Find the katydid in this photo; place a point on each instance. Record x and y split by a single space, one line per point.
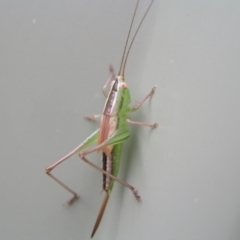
113 131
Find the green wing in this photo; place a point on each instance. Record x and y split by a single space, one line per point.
119 136
90 140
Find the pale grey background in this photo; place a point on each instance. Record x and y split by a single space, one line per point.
54 60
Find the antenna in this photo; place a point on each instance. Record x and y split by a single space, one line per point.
129 31
145 14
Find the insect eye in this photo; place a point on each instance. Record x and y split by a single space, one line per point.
124 85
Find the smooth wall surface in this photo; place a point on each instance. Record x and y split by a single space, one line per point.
54 61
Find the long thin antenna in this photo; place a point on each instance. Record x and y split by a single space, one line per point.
123 56
135 36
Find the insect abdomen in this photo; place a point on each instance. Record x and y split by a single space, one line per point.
107 164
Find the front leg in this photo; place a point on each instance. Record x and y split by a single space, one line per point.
110 78
141 103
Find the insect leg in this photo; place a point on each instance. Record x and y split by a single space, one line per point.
93 117
51 167
75 196
155 125
110 78
88 142
133 189
140 104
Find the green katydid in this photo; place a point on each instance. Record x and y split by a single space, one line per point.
113 131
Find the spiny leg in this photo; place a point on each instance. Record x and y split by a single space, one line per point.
155 125
75 196
92 139
134 190
110 78
93 117
140 104
48 172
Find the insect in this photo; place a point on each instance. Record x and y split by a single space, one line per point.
113 131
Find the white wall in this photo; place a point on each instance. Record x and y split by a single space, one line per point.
54 60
